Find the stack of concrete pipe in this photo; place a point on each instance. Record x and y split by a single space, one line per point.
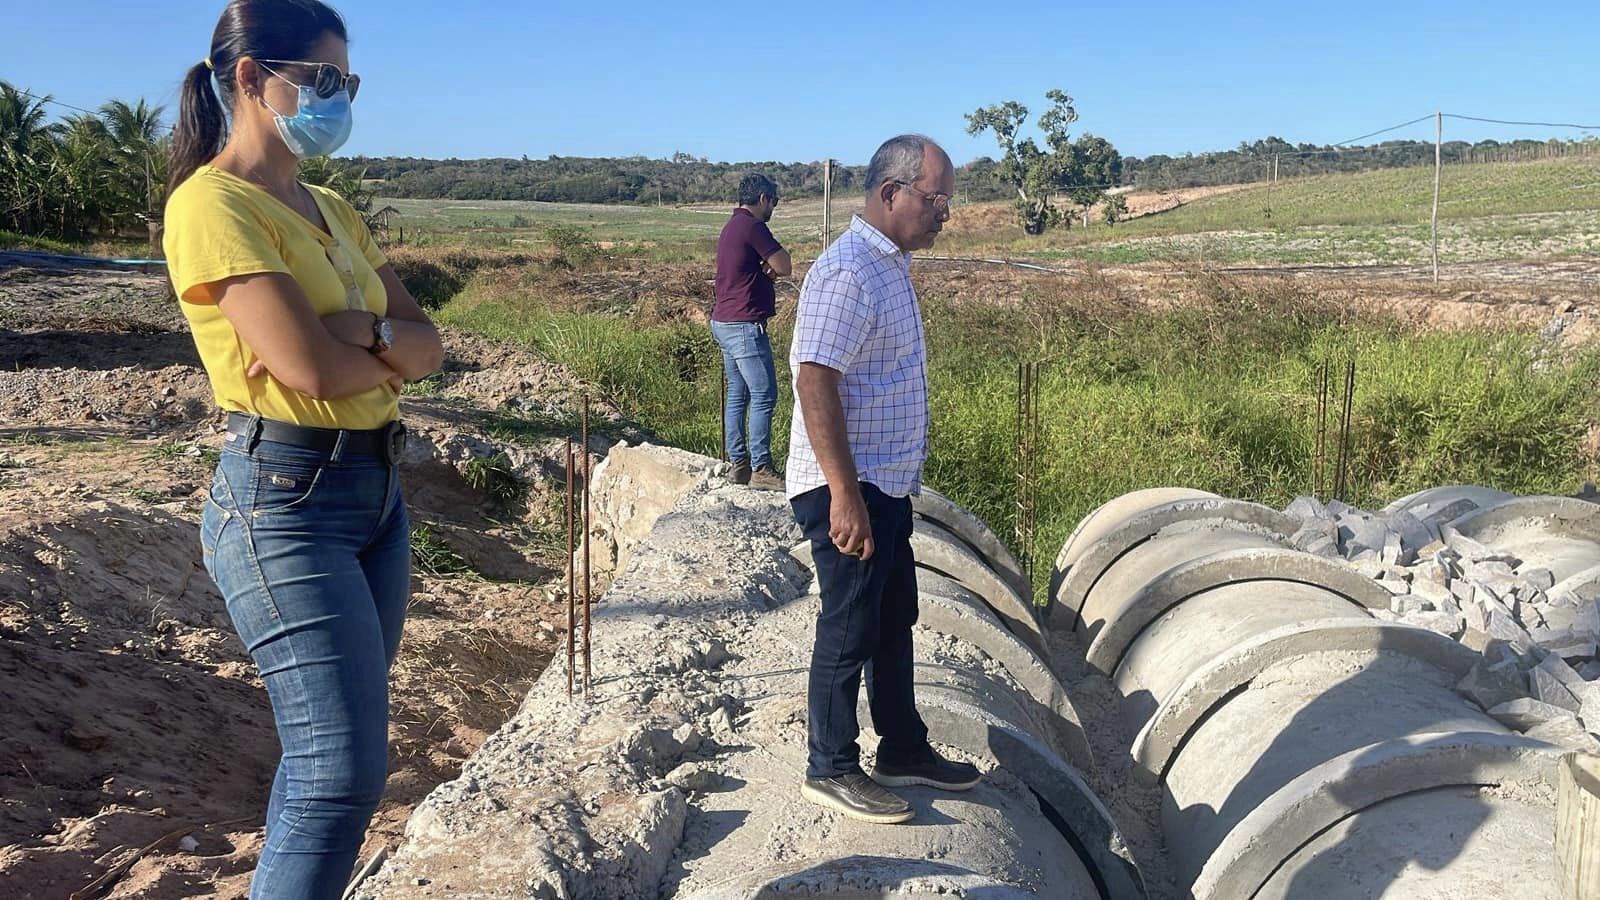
1306 746
974 592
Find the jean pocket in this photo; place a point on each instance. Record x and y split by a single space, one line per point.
283 486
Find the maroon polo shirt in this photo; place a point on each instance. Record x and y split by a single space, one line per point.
744 293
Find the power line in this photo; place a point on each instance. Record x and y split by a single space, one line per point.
1385 130
54 101
1535 124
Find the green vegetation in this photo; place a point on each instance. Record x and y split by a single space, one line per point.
1217 395
496 478
434 557
1079 170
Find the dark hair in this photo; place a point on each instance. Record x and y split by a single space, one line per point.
754 186
265 29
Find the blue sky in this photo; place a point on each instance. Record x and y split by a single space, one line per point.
797 81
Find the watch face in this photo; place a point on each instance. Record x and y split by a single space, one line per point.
385 331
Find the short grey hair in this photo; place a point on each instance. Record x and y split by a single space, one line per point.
899 159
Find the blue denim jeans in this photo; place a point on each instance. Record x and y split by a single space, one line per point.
752 390
868 608
312 552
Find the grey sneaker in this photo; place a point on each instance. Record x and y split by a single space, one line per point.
856 796
932 770
740 473
766 478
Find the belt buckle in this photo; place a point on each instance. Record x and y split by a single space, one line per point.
394 442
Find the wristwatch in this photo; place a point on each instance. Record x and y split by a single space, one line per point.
382 335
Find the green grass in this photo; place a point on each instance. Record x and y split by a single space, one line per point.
435 557
1218 398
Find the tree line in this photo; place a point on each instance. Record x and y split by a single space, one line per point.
101 173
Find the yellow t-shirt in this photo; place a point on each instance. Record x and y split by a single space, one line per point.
220 226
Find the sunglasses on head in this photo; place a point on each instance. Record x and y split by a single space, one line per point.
329 80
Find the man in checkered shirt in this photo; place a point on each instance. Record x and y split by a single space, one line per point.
856 450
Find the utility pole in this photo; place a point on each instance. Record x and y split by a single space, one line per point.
827 202
1438 157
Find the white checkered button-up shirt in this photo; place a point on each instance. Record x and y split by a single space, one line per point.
859 316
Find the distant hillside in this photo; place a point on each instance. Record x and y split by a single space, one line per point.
1390 197
688 179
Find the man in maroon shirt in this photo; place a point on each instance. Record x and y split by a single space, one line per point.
748 259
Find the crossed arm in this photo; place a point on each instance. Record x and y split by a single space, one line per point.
326 358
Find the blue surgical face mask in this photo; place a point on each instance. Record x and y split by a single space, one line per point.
319 126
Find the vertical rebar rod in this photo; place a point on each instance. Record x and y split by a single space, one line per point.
572 586
1320 451
1342 474
588 470
722 416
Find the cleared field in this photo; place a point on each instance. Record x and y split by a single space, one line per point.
1528 210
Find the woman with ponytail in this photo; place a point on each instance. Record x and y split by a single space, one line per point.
308 338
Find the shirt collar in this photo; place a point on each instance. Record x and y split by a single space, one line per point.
876 239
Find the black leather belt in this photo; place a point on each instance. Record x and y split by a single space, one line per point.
246 431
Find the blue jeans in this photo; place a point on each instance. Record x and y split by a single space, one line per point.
868 608
312 552
752 389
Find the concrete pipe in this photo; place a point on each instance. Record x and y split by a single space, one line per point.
1109 516
948 608
1293 717
1309 830
941 510
1438 505
1209 682
1272 573
942 553
1561 534
872 877
955 720
1195 514
1148 561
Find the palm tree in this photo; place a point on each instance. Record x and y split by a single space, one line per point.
138 156
26 141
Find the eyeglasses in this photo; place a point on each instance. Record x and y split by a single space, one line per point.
330 79
940 202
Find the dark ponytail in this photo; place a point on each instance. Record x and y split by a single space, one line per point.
261 29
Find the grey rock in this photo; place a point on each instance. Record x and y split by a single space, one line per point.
1540 578
1567 732
1590 670
1451 626
1490 687
1547 688
1526 713
1308 508
1554 665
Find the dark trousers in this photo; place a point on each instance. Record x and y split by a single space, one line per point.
868 609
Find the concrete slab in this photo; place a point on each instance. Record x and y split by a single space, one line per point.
1294 716
1262 566
1211 684
936 507
1221 513
1307 806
